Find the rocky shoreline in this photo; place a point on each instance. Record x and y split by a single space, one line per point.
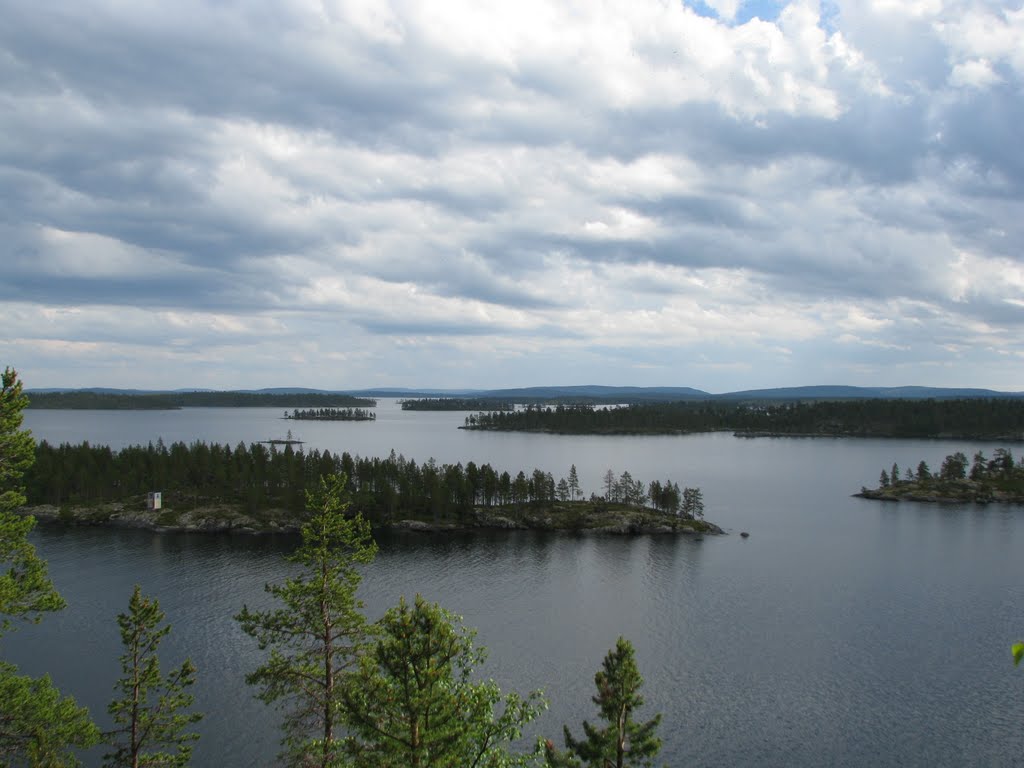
579 517
965 495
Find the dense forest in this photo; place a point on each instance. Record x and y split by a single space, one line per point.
996 418
980 479
457 404
260 476
332 414
117 401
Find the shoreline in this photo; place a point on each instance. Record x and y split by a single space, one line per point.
563 517
966 494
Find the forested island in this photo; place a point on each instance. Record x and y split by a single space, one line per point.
457 404
981 480
979 418
166 401
331 414
261 488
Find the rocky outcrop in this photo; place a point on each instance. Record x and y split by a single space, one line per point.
578 517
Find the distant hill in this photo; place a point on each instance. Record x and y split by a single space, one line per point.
597 392
842 392
586 393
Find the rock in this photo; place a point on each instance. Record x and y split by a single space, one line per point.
744 534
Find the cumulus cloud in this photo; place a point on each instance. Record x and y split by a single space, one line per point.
719 194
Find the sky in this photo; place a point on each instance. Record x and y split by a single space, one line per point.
342 194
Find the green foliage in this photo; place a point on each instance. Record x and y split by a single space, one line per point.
316 635
622 742
415 703
39 727
151 709
26 591
1018 652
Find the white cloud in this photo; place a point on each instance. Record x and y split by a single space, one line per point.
512 189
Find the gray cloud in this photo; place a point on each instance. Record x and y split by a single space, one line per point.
617 180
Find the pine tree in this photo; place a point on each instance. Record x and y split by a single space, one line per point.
574 482
317 634
622 742
693 503
37 725
26 591
416 702
151 712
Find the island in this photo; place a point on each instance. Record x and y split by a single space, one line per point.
980 481
331 414
970 418
261 489
457 404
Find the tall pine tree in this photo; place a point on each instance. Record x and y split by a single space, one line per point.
316 635
151 713
621 742
37 725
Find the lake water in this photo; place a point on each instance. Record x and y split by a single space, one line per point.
842 632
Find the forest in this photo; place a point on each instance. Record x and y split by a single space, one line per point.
990 419
163 401
331 414
260 476
457 404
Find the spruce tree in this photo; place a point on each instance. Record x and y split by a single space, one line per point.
621 742
318 632
151 714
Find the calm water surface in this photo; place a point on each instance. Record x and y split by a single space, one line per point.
842 632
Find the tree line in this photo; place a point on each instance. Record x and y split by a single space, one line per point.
331 414
402 691
974 418
258 477
980 475
85 400
457 404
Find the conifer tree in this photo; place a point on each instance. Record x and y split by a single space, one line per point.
574 482
416 702
151 713
316 635
622 742
37 725
26 591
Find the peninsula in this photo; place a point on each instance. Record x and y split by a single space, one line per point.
262 488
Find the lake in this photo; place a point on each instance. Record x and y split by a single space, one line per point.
842 632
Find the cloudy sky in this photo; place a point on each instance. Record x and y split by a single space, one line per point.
724 194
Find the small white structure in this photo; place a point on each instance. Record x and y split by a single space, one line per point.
153 500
